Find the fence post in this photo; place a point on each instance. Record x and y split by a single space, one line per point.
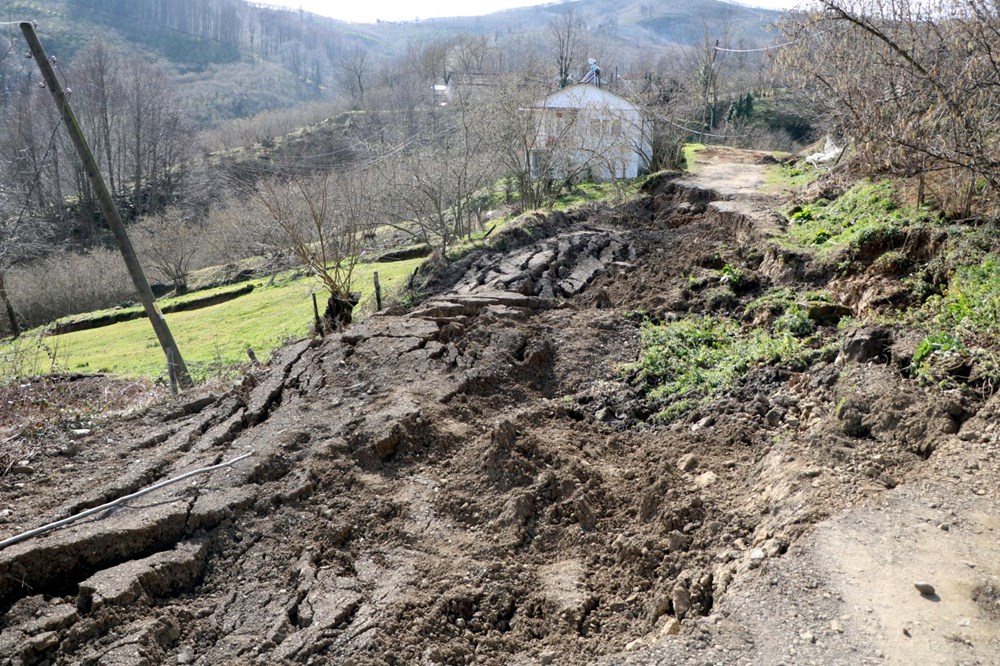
319 324
378 294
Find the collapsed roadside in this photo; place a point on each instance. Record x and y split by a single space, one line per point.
493 475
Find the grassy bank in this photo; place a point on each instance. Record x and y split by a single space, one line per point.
212 339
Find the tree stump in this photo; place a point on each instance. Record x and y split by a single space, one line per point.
339 310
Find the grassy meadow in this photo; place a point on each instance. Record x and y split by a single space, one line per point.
212 340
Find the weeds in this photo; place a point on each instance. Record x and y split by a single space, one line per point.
866 219
790 310
591 192
795 321
774 301
798 174
971 302
687 361
960 349
29 356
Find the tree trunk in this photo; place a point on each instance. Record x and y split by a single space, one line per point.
15 330
339 310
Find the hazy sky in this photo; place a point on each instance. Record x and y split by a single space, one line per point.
407 10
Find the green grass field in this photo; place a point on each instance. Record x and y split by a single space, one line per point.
212 340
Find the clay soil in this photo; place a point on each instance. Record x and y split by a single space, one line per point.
473 480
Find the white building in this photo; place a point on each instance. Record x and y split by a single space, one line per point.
583 131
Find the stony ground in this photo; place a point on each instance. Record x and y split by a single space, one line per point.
473 482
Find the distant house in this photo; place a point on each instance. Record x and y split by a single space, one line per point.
587 132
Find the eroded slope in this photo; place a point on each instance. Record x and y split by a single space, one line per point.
473 481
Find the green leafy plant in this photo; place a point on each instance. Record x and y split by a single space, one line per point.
934 343
804 214
732 275
795 321
686 361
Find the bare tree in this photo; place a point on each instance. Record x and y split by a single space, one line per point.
706 80
432 179
913 84
170 245
432 60
321 219
138 128
8 242
565 31
470 53
97 72
155 135
27 152
355 68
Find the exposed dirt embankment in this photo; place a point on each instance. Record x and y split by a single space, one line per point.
473 482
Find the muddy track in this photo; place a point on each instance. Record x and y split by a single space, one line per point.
463 483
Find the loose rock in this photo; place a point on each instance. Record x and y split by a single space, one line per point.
687 462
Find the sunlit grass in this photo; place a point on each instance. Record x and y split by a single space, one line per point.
214 339
689 156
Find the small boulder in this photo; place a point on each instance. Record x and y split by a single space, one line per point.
824 312
867 344
22 468
671 627
705 479
682 600
687 462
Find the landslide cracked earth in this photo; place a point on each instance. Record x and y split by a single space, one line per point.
473 481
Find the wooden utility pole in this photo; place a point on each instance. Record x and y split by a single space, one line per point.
174 360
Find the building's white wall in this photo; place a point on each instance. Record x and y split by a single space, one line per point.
584 125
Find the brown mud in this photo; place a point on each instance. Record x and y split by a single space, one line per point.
473 482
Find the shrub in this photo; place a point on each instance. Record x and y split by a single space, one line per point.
68 283
795 321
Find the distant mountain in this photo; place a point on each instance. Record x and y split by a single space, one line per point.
639 23
234 58
231 58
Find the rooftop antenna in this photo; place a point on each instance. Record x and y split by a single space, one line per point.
594 74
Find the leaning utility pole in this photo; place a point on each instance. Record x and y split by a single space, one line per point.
175 363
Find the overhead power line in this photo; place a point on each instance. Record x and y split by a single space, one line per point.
694 131
774 46
765 48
